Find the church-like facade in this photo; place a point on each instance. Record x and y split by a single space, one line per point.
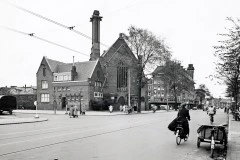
108 78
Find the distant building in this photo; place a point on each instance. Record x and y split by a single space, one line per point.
158 91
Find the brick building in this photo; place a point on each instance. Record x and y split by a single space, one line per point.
60 84
158 92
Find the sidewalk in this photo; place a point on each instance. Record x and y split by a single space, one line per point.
233 151
14 120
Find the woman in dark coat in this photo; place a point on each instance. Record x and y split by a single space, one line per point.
183 115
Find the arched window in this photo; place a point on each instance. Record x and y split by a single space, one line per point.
122 76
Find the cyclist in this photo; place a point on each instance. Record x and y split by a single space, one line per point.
183 115
211 112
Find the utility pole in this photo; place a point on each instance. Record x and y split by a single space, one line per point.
54 100
129 87
80 99
167 98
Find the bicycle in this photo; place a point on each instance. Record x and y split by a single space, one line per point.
179 132
211 118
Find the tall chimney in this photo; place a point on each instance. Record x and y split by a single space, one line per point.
95 50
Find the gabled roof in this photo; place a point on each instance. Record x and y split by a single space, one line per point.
53 64
158 70
116 47
84 69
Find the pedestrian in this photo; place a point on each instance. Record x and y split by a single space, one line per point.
83 108
124 108
71 114
121 108
110 108
75 111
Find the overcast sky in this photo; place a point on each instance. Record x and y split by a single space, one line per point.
190 28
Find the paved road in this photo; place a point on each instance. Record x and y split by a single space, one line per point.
139 136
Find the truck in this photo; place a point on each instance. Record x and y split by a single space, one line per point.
7 103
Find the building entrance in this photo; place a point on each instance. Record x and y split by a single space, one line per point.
121 100
63 102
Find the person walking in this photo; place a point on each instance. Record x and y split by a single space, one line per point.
110 108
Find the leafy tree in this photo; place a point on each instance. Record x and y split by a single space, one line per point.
228 53
148 49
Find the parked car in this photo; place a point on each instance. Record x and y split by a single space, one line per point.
194 108
164 107
7 103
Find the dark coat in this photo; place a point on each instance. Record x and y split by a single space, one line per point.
183 114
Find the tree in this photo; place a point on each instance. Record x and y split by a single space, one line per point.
228 54
204 87
176 79
148 49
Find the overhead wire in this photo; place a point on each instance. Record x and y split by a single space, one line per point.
71 28
42 39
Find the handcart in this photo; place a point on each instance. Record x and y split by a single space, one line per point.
213 134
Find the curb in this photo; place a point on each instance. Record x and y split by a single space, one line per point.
21 120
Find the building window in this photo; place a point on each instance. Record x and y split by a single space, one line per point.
45 97
149 93
149 87
44 71
98 84
98 94
122 75
44 84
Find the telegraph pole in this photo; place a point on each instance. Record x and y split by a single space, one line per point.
129 87
80 105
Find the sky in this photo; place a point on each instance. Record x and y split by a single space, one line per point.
189 27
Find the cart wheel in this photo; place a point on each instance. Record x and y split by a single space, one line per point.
198 142
212 151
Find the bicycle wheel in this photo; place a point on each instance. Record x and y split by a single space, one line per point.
178 138
212 152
